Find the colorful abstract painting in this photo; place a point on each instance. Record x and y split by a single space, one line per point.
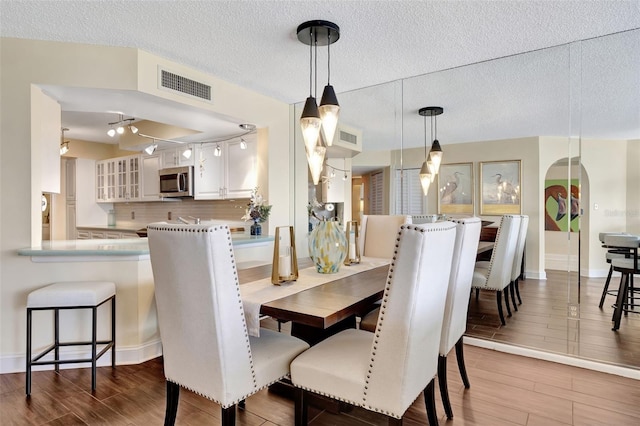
562 208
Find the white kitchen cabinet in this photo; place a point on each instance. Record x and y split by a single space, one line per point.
231 175
118 179
70 179
208 173
173 157
101 181
150 179
241 167
71 220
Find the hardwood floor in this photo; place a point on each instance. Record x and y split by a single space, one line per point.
505 390
542 321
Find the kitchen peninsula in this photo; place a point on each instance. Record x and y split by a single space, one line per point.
126 263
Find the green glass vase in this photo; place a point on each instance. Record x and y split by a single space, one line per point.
327 247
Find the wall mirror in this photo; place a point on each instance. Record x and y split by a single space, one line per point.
572 111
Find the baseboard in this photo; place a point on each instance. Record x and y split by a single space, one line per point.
535 275
124 356
555 357
559 262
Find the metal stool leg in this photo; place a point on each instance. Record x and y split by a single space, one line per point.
94 339
113 332
56 334
28 370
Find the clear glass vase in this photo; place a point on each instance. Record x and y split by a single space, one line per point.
327 247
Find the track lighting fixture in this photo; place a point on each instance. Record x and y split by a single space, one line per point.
64 145
243 144
119 126
151 148
218 151
187 153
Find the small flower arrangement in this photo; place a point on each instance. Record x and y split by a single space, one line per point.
257 210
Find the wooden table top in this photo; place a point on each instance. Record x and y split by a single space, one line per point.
329 303
326 304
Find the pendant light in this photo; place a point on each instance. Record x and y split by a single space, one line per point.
314 33
429 166
329 107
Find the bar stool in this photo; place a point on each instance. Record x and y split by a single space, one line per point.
71 295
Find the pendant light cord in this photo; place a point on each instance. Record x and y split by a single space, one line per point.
328 58
425 137
310 64
315 43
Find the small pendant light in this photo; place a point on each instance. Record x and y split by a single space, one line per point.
431 163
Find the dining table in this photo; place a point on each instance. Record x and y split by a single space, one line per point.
319 311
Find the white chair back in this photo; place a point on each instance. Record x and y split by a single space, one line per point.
424 218
202 325
378 234
504 250
522 237
462 266
405 349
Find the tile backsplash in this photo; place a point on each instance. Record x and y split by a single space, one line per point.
141 214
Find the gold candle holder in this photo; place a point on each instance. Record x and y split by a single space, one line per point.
353 251
285 261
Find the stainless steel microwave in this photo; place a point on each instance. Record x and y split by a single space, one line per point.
176 182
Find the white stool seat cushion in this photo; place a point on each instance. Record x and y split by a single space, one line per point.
272 353
336 367
71 293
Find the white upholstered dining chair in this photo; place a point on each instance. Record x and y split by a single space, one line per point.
205 344
386 371
495 275
516 271
378 234
457 303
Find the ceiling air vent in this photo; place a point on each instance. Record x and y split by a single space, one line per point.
178 83
348 137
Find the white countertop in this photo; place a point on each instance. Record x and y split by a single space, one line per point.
129 248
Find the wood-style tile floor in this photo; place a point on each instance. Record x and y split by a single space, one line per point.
541 321
505 390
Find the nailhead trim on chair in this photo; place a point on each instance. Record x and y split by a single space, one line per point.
216 228
492 259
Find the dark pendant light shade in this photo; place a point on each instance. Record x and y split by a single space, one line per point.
329 113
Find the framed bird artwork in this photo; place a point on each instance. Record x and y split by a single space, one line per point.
455 189
500 187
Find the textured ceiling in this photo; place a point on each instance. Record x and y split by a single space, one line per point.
253 44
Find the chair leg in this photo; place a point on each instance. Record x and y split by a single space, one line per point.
477 293
506 300
430 402
606 287
622 294
173 396
499 297
517 285
442 382
228 416
301 407
512 290
242 404
461 366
